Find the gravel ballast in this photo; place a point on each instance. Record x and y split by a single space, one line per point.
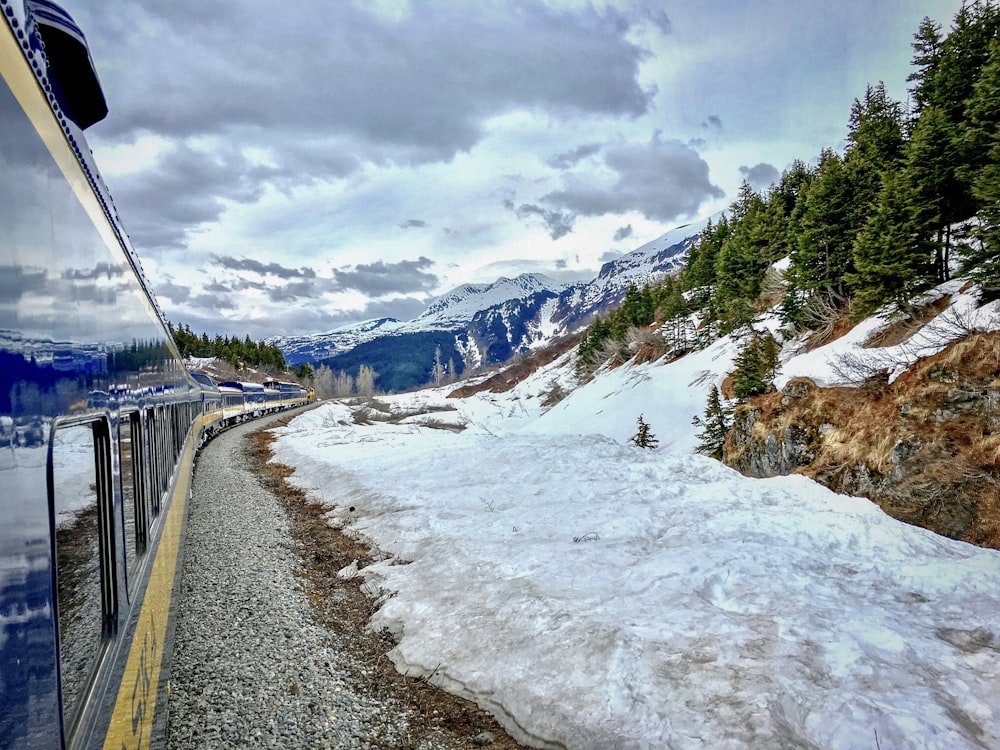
253 663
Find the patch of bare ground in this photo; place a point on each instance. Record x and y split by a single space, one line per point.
902 330
434 716
520 369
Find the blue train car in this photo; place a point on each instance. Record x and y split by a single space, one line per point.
98 419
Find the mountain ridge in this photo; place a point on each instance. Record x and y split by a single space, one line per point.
492 322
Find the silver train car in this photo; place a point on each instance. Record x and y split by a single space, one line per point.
99 421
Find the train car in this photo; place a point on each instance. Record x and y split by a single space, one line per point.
99 422
254 401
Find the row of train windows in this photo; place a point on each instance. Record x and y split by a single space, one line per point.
108 486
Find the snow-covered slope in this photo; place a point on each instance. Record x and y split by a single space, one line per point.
594 594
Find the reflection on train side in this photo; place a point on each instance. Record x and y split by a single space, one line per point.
77 509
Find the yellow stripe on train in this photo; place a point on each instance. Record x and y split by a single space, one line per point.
132 719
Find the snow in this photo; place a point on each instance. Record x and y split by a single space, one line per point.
593 594
841 361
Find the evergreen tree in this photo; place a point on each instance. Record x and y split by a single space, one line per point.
822 256
643 437
926 58
874 146
715 425
755 367
892 265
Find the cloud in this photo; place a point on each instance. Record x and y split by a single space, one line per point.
105 270
571 158
663 180
421 85
414 224
623 233
16 281
558 223
400 308
380 278
659 19
296 290
712 122
760 176
264 269
610 255
176 293
187 187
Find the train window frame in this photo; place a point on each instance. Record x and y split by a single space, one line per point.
72 706
130 494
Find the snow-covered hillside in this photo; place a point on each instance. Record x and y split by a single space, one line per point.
594 594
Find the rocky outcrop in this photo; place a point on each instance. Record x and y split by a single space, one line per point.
926 447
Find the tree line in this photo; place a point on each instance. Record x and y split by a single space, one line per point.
914 193
882 221
237 352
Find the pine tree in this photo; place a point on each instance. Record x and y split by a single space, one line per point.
715 425
643 437
755 367
823 253
891 262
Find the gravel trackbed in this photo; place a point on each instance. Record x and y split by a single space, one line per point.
253 663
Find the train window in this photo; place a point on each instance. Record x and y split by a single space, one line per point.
81 504
129 494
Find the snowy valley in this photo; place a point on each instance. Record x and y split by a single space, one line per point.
594 594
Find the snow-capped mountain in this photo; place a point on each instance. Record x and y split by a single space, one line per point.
481 324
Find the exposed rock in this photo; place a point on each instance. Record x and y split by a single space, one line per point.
904 450
798 387
924 447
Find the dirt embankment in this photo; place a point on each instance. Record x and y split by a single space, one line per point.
926 447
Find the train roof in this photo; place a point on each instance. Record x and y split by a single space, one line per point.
204 381
245 387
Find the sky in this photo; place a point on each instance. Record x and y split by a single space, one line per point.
286 169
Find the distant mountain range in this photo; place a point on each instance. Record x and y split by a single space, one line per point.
485 324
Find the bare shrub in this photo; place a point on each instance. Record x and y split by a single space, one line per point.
772 288
827 315
553 394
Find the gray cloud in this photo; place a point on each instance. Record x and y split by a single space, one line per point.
663 180
760 176
382 278
324 98
558 223
401 308
623 233
176 293
571 158
212 302
712 122
264 269
16 281
187 187
610 255
413 224
296 290
426 82
105 270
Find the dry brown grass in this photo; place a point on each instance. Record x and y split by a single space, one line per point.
435 718
951 483
902 330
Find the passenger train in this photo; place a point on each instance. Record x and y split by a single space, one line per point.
99 421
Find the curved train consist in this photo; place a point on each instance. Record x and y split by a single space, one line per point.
99 421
